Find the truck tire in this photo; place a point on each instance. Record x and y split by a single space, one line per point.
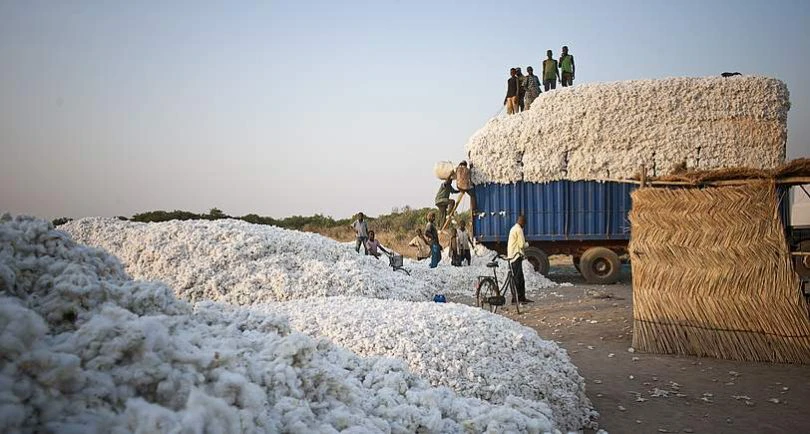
538 259
801 264
600 265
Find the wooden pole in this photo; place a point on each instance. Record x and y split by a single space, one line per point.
449 215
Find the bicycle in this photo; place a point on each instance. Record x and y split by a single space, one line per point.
395 261
487 291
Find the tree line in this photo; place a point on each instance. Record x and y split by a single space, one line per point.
400 219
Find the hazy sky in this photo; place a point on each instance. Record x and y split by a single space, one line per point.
281 107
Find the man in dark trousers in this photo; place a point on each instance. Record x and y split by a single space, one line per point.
567 66
515 253
550 72
521 88
511 100
432 238
361 230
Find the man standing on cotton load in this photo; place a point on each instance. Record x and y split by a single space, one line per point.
514 250
511 100
361 230
567 67
532 85
550 72
521 89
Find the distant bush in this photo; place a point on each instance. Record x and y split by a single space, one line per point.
402 223
61 220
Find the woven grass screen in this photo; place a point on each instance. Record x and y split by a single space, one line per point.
712 275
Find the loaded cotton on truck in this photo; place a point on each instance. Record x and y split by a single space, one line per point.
559 163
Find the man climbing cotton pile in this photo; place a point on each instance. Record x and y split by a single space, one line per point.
464 182
443 201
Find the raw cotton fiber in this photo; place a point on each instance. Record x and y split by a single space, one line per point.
474 352
242 263
85 349
608 130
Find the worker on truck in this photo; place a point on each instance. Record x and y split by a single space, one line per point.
550 72
532 86
464 182
515 252
511 100
567 67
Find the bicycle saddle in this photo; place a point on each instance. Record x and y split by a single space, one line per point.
492 264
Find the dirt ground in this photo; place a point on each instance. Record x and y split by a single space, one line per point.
649 393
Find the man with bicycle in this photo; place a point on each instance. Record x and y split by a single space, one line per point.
515 252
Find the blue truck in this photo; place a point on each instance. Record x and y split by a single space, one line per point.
584 219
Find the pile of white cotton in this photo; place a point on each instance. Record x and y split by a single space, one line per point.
83 348
241 263
473 352
608 130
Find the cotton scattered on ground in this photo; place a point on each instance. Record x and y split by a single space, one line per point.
241 263
608 130
470 350
84 348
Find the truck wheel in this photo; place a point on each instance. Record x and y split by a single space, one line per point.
538 259
600 265
801 264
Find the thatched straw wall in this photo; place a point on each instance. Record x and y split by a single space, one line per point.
712 275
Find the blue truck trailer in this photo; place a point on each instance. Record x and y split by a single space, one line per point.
584 219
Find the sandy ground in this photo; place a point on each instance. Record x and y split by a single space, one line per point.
648 393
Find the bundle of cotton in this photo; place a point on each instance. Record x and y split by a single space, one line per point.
608 130
474 352
241 263
85 349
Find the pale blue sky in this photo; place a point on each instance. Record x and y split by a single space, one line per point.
280 108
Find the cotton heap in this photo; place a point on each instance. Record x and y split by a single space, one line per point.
609 130
475 353
241 263
85 349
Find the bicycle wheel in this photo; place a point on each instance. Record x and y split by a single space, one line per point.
510 282
486 289
402 270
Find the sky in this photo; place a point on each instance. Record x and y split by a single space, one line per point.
300 107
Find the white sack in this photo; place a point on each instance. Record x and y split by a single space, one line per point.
443 169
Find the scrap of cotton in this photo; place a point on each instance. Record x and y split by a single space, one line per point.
241 263
609 130
474 352
84 348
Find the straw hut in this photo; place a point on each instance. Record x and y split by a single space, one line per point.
713 271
